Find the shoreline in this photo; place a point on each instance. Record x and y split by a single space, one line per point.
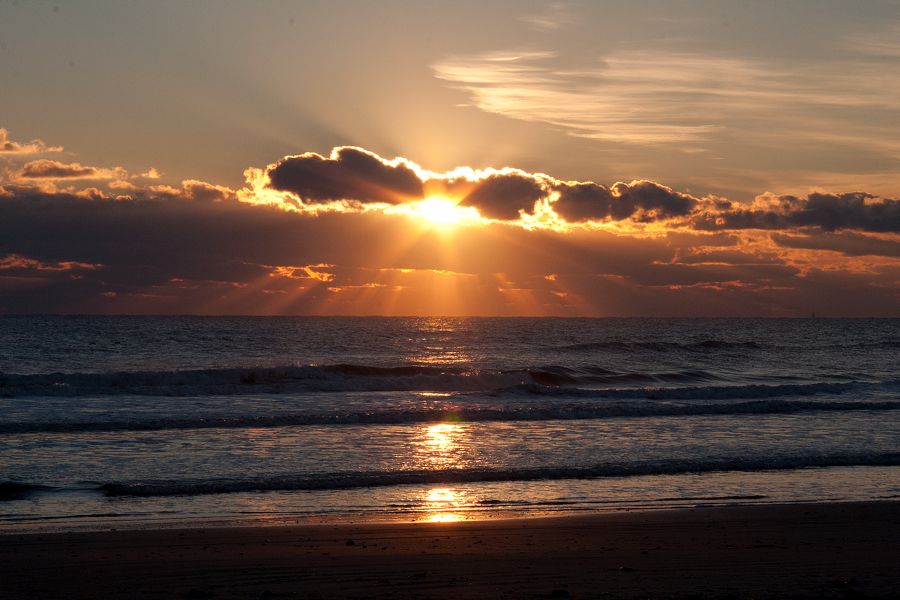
807 549
89 511
112 522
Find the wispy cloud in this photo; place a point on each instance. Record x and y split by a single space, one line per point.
555 16
660 96
883 43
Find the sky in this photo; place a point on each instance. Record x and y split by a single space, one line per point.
665 158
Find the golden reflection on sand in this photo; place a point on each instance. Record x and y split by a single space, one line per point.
444 518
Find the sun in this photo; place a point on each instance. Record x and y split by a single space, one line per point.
443 212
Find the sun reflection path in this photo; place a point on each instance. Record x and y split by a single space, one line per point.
440 342
439 445
440 437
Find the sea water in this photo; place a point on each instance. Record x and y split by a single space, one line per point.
173 421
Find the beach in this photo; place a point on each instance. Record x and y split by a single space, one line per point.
839 550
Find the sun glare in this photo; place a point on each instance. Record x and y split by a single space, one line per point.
443 212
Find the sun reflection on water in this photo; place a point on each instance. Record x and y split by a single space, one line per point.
440 437
440 504
440 495
439 446
440 342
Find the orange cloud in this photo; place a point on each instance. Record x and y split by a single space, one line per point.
19 262
121 184
304 272
195 191
52 169
8 146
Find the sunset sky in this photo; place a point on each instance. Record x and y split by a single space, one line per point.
450 158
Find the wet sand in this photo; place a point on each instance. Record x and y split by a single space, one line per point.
815 551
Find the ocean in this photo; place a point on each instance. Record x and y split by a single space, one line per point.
135 422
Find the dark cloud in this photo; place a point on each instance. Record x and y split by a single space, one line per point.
830 212
649 201
849 244
583 202
639 200
348 174
503 195
685 274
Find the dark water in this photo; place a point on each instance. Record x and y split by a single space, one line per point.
164 419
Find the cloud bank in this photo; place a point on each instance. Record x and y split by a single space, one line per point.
315 234
362 177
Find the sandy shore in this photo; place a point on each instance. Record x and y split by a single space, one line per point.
832 551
